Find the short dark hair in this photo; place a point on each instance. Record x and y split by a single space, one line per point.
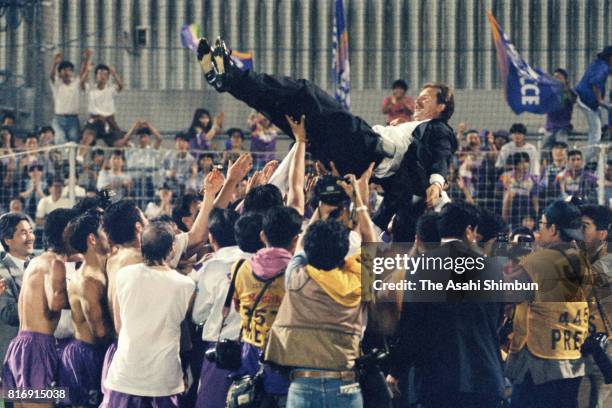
120 220
326 244
182 208
183 136
118 152
574 152
261 198
55 224
97 152
455 217
45 129
99 67
399 83
518 128
31 136
566 217
281 225
143 131
600 214
427 228
247 232
8 226
221 226
79 229
157 240
520 157
231 131
88 203
444 96
562 72
490 225
64 65
560 145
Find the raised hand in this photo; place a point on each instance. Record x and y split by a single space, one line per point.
269 169
58 58
213 182
298 128
238 170
255 180
218 120
2 286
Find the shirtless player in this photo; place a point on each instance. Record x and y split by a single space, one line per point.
81 362
31 360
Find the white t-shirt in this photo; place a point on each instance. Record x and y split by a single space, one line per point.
101 101
152 305
66 98
46 205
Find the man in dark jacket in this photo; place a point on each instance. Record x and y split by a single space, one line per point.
411 158
452 345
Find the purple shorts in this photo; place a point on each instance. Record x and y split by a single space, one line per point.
115 399
79 371
31 361
214 384
108 359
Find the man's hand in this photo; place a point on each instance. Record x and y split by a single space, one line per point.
349 186
363 182
238 170
58 58
87 54
433 193
298 128
393 383
269 169
213 182
2 286
112 70
255 180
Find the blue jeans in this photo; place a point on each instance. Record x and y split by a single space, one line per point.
594 122
66 128
324 392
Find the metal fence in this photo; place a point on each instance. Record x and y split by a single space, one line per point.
158 178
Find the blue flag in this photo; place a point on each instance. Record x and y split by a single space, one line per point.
341 78
527 88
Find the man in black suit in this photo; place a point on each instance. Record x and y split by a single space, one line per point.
452 345
411 158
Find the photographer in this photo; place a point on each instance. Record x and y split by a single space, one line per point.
452 346
317 330
545 363
596 221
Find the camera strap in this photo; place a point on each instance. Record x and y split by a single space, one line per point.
230 293
269 282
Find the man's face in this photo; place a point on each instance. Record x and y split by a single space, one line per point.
47 136
398 92
206 162
518 138
236 141
98 159
559 154
499 142
575 162
22 243
592 237
35 173
102 76
427 106
56 190
116 162
204 120
559 77
31 143
523 166
547 232
15 206
65 74
145 139
473 139
181 144
528 222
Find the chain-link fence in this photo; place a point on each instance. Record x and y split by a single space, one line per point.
516 184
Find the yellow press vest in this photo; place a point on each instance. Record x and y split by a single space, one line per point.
248 287
553 330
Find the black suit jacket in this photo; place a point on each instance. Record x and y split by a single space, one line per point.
452 346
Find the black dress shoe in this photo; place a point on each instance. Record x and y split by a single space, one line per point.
224 66
205 58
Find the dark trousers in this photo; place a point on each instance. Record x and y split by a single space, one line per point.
552 394
333 133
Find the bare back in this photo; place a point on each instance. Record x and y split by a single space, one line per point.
88 302
43 294
120 258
